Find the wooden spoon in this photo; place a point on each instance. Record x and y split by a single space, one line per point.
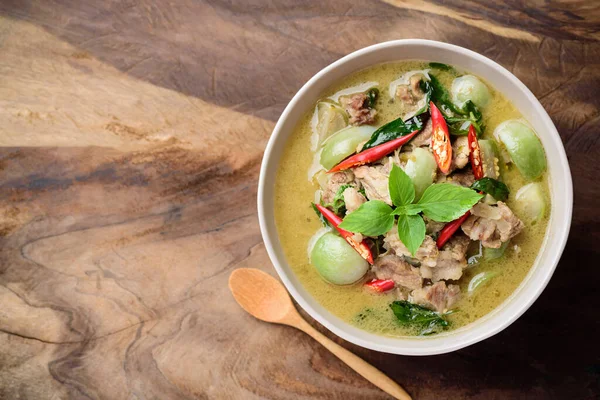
265 298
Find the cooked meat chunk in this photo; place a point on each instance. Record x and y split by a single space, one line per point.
395 268
404 93
357 109
401 293
493 225
335 181
353 199
426 254
423 138
432 227
463 178
460 153
375 182
415 84
438 296
451 261
410 96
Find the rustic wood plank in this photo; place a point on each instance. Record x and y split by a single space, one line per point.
129 152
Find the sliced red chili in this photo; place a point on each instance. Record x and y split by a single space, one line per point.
449 229
361 247
381 285
475 154
373 154
440 139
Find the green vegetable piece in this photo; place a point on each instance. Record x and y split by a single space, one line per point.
445 202
343 143
467 88
409 313
489 154
411 231
421 168
372 218
493 254
401 187
480 279
524 147
493 187
330 119
530 202
393 130
336 261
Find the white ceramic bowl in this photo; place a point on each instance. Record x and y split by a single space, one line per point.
560 188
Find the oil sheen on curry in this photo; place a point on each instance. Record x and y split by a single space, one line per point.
413 199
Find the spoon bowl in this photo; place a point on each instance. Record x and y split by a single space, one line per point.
260 295
265 298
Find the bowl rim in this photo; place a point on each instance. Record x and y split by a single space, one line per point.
403 344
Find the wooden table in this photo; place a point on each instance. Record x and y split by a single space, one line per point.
131 136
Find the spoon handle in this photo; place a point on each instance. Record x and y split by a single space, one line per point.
369 372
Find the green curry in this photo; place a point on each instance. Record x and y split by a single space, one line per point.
489 275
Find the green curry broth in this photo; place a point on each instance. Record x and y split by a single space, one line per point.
297 223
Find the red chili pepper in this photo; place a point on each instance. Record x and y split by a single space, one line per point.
449 229
373 154
440 139
361 247
475 154
381 285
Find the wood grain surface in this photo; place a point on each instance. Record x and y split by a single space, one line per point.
131 136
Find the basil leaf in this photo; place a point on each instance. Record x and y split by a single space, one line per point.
441 98
372 95
427 89
445 202
411 231
372 218
338 205
440 66
493 187
409 209
409 313
393 130
459 126
402 189
320 215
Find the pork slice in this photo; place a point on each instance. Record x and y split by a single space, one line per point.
410 96
353 199
509 225
493 225
375 182
395 268
432 227
423 138
404 94
337 180
452 259
357 109
415 85
437 297
462 178
426 254
460 153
